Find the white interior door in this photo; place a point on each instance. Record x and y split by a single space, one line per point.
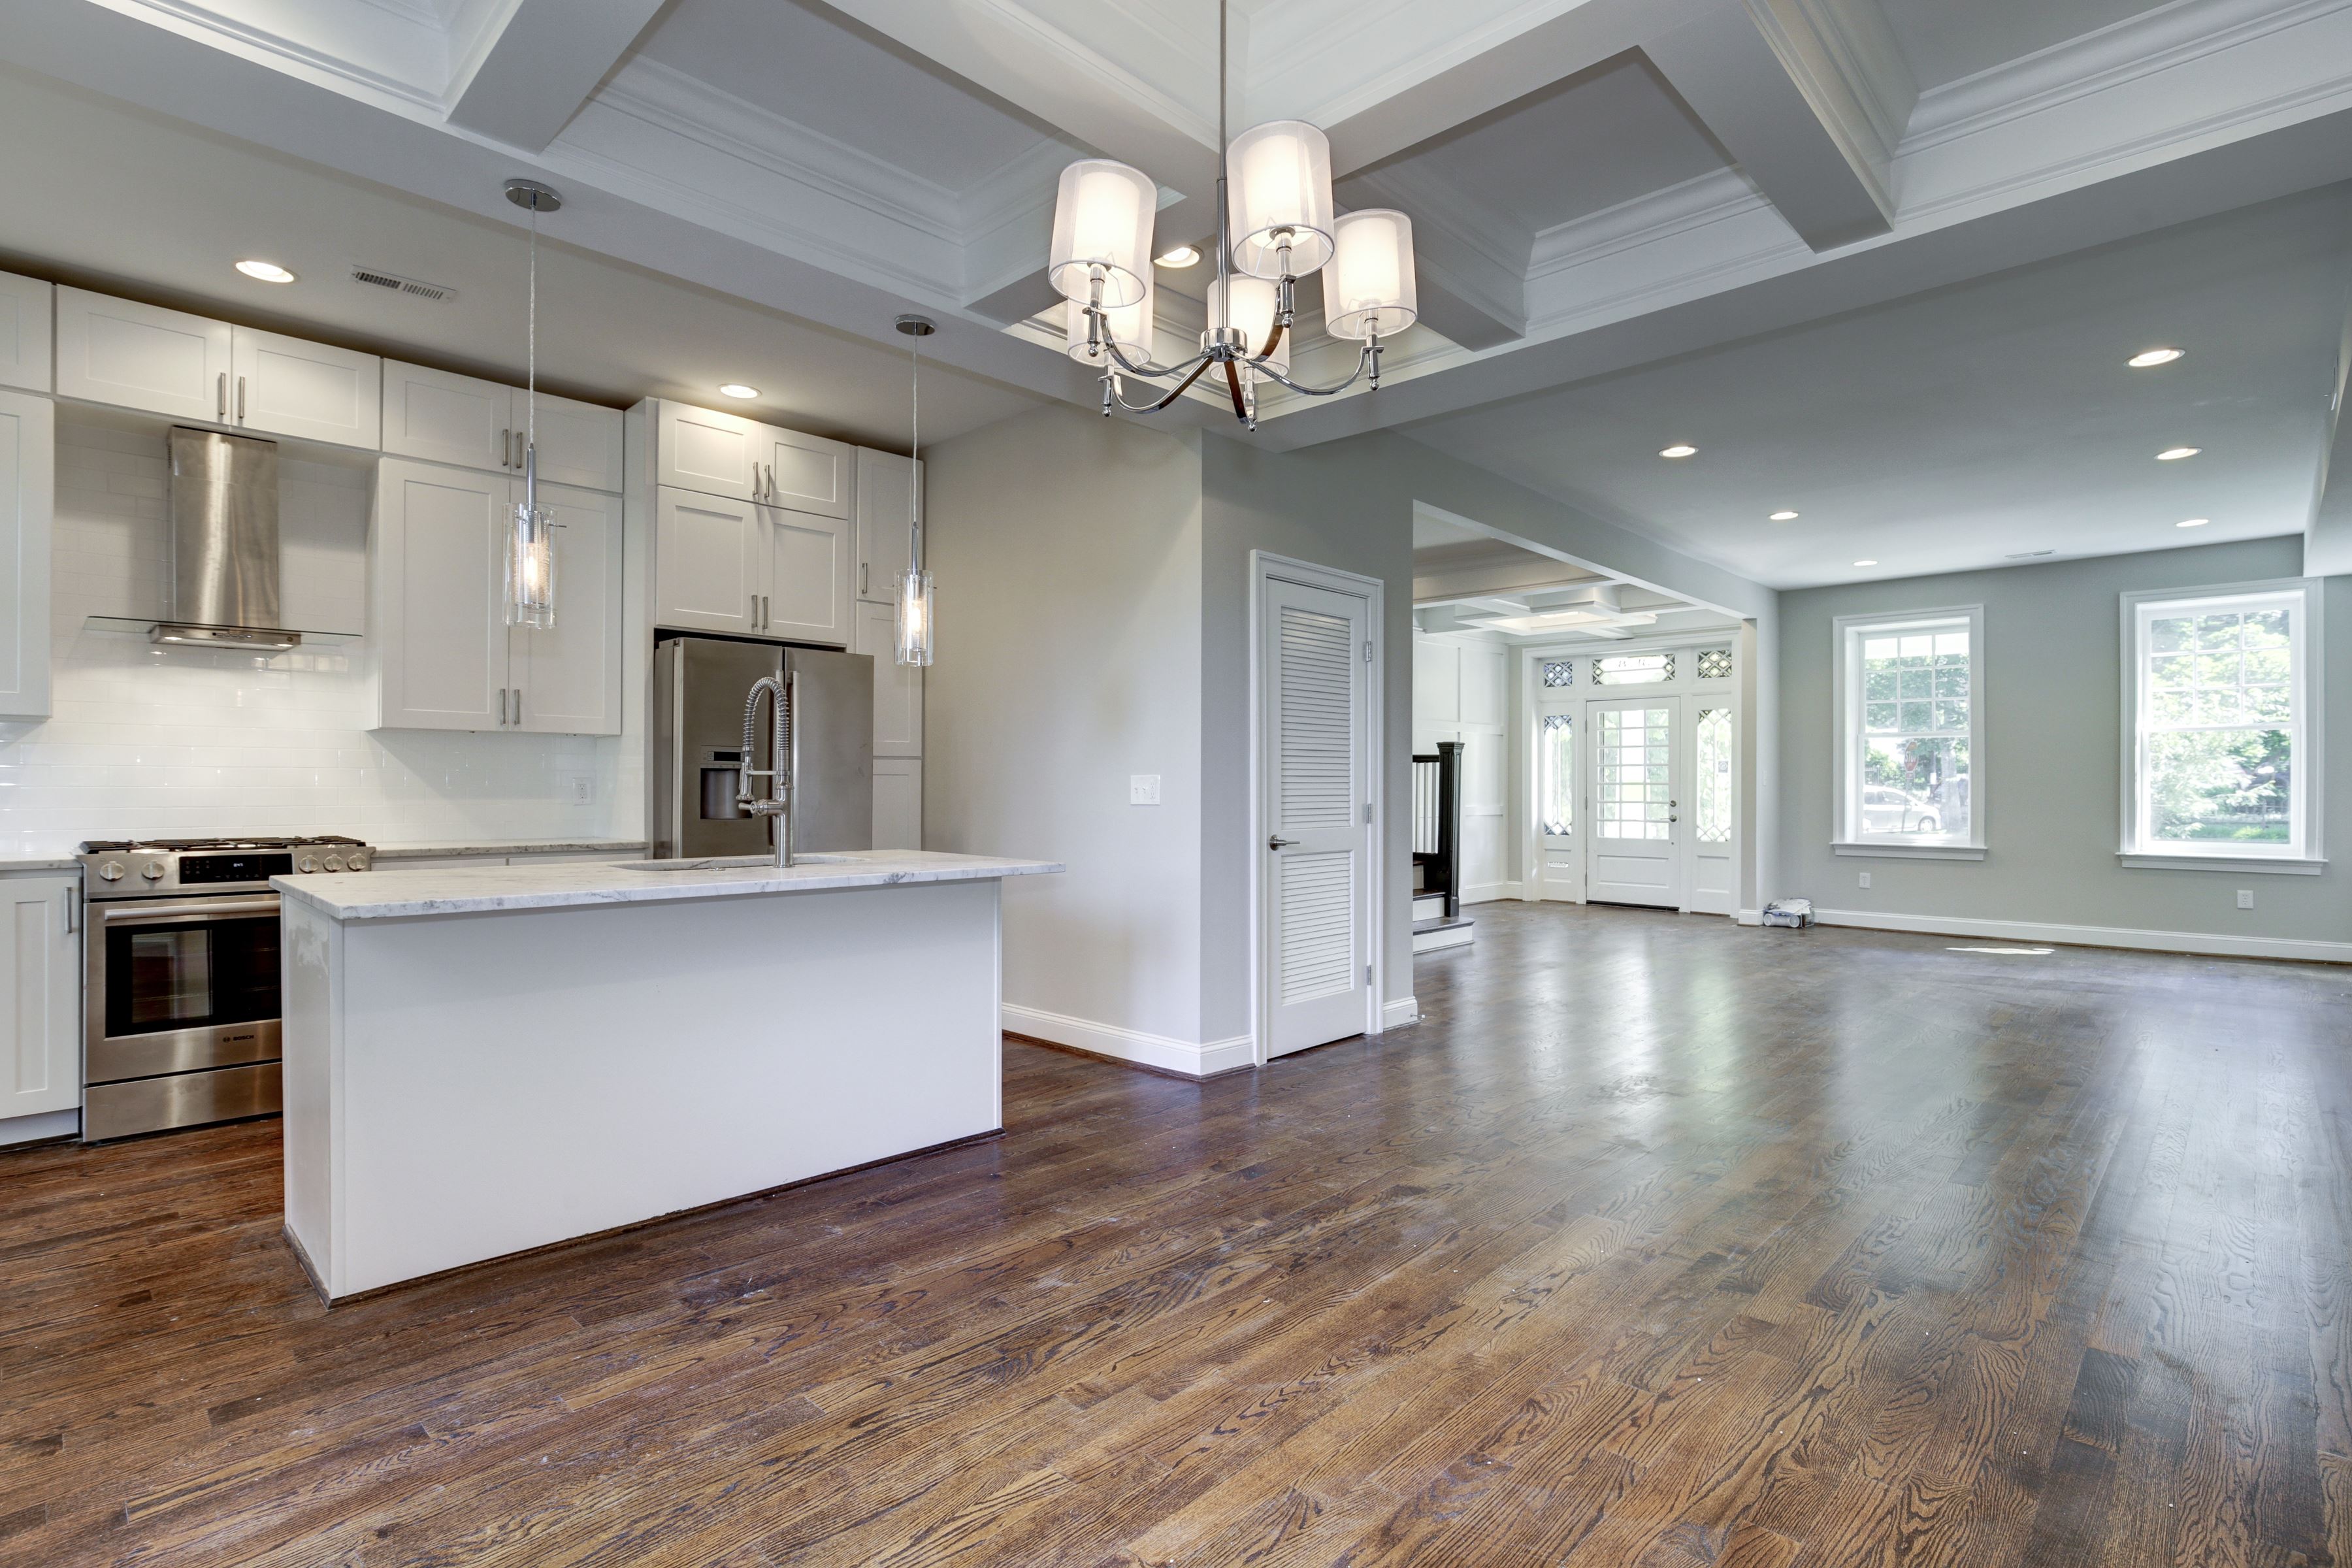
1635 805
1317 916
1559 866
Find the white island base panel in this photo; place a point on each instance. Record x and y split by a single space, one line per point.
465 1087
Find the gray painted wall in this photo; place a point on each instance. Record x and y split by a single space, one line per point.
1067 553
2053 685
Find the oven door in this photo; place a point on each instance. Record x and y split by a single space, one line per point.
176 984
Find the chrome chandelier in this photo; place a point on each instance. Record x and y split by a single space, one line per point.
1275 222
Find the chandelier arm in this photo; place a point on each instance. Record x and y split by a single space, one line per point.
1147 370
1273 336
1181 388
1233 382
1363 360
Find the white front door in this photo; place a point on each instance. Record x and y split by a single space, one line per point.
1558 785
1635 832
1317 911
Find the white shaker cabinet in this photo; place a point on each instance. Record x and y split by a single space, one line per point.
898 802
441 418
807 596
806 473
40 995
710 563
142 356
28 500
714 454
897 687
886 486
25 307
447 658
289 386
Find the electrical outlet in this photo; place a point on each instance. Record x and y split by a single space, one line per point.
1865 880
2245 898
583 789
1143 789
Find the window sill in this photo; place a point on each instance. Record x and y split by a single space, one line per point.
1913 851
2271 864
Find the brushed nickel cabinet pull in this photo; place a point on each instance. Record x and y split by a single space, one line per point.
517 692
505 448
220 399
240 400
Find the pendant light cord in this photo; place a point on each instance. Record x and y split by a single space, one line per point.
914 462
531 379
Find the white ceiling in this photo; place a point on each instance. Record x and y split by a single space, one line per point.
131 201
1944 40
1965 425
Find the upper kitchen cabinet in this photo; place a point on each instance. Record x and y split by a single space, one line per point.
27 456
886 486
142 356
727 455
808 474
749 570
24 316
182 366
807 598
460 419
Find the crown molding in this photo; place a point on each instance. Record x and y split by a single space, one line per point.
1845 62
1706 233
402 65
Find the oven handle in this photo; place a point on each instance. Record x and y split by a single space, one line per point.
260 907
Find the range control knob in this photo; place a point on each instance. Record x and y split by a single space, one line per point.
111 871
358 862
307 863
153 871
334 862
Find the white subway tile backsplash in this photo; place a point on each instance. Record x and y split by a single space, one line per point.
193 743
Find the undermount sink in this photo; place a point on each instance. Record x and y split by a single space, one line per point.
738 862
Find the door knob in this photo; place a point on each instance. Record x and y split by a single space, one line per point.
1279 843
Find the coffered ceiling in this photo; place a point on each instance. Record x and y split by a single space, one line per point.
1596 185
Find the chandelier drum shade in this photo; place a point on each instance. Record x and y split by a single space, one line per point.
1275 222
1102 233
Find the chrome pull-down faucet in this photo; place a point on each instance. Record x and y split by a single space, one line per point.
778 802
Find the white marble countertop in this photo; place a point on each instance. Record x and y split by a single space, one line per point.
39 863
395 894
457 849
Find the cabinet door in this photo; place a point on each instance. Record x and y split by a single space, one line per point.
579 442
897 687
24 316
27 456
290 386
710 563
567 679
884 487
141 356
40 995
807 599
898 802
439 618
714 453
808 473
438 418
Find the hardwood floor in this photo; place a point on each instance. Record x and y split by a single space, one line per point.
1657 1242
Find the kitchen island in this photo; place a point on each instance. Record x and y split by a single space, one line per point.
484 1060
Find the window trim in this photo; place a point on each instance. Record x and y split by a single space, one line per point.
1846 836
2305 857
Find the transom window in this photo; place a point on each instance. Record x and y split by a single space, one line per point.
1714 664
1556 775
2220 747
1560 672
1912 727
1632 669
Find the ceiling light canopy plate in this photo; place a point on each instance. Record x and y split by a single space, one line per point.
915 326
532 196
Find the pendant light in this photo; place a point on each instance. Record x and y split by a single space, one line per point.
530 540
1276 221
911 623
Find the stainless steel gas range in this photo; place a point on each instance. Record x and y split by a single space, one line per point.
180 997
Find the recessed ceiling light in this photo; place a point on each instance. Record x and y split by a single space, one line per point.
1783 517
2192 522
267 271
1865 562
737 389
2174 454
1178 256
1679 449
2154 357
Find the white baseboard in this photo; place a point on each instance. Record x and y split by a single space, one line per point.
1397 1013
2206 943
1750 917
1440 940
1488 893
1162 1051
40 1125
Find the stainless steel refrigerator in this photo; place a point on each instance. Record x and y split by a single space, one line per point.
699 684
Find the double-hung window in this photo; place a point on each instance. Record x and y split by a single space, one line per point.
1910 742
2221 727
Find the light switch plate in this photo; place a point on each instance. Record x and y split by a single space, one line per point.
1865 879
2245 898
1143 789
583 788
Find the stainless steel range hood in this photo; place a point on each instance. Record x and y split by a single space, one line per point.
224 543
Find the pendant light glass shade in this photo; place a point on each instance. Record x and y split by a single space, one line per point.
531 568
1248 304
911 617
1369 285
1130 327
1102 218
1279 179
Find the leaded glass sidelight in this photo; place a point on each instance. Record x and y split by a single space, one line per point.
1714 768
1556 775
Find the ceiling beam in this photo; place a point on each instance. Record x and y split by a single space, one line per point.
537 62
1765 77
1529 574
2327 536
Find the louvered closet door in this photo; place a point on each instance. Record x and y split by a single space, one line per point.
1318 913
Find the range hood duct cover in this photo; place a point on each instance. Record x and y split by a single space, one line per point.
225 563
